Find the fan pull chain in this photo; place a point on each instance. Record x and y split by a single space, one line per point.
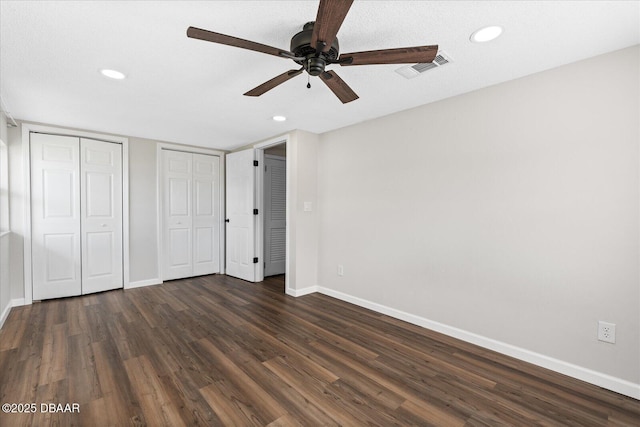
308 81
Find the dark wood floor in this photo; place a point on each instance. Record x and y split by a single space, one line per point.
219 351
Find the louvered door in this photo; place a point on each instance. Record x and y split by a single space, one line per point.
275 215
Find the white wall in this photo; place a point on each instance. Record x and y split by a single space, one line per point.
302 165
5 284
143 211
511 213
16 213
5 260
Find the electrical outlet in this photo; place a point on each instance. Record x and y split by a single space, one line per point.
340 270
607 332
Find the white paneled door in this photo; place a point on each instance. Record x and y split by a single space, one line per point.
101 208
240 215
275 215
76 212
206 214
191 216
55 213
177 236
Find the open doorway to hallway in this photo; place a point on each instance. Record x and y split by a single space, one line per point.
257 211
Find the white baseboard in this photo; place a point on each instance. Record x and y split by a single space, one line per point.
301 292
608 382
5 314
16 302
141 283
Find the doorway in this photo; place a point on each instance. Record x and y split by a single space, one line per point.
246 207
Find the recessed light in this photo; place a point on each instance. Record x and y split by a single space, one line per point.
112 74
279 118
486 34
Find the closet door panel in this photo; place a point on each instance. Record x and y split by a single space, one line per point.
179 242
55 216
101 208
191 214
177 215
206 214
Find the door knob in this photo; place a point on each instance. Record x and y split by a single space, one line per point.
226 220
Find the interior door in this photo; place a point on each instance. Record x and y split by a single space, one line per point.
275 203
55 216
240 239
206 214
177 218
101 215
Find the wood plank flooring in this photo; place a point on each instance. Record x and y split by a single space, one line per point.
213 351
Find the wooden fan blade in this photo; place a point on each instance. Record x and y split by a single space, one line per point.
331 13
210 36
268 85
338 87
403 55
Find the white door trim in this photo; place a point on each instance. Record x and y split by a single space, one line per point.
259 239
27 128
160 200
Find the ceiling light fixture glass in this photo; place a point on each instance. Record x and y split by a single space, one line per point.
279 118
486 34
112 74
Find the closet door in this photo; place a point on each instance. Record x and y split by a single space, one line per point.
55 216
178 216
101 215
206 214
191 214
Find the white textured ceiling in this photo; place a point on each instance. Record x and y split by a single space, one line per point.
190 91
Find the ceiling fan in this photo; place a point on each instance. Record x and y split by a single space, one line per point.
316 46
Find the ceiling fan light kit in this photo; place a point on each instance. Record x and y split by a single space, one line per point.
316 46
313 62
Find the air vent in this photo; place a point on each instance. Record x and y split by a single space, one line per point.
411 71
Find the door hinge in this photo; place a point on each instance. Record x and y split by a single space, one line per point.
255 211
255 260
255 163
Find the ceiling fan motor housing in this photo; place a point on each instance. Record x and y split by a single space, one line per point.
315 61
